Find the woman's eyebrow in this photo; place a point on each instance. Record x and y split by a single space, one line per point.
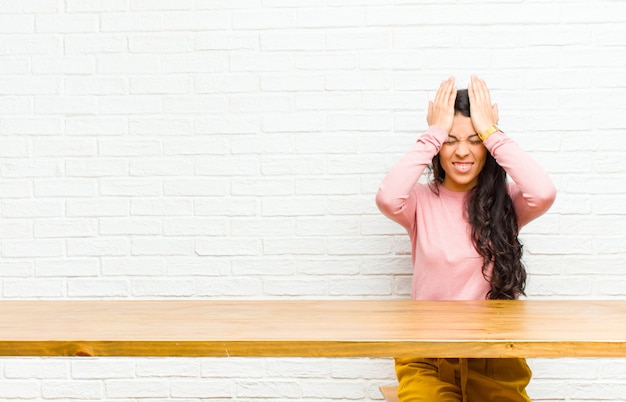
456 138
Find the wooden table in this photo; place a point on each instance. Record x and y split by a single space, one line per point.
314 328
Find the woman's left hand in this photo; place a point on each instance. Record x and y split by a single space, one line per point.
483 114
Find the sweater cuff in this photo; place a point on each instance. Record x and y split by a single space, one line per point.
438 133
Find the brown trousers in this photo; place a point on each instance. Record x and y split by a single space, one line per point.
462 380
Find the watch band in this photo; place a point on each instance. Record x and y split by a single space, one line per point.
485 134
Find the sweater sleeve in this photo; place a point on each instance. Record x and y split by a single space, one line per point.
396 197
532 191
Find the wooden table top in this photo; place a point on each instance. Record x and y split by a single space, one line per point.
529 328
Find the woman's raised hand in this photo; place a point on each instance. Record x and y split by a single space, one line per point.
441 110
484 114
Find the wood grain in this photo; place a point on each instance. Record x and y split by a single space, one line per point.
316 328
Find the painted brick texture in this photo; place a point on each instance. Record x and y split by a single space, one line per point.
232 149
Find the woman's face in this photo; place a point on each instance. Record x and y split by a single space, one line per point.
463 156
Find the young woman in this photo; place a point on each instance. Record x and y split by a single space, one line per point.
463 227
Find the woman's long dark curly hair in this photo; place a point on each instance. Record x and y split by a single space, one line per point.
494 222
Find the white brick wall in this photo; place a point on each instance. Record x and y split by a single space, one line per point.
232 149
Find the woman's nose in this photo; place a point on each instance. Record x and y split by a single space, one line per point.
462 148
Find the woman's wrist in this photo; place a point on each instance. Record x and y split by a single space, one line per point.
486 133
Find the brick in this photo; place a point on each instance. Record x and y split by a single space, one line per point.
339 186
206 63
195 146
30 6
296 288
229 288
20 389
134 104
97 207
109 226
195 187
75 389
201 389
128 147
364 81
299 246
263 62
136 388
357 246
168 368
195 226
231 206
161 246
15 189
95 167
15 229
266 19
60 228
362 41
63 65
161 206
14 148
194 104
32 208
161 167
160 85
289 165
68 268
234 367
127 64
94 43
323 265
227 83
14 105
160 5
293 41
336 389
130 187
263 266
226 125
359 122
326 61
45 85
293 206
66 105
96 247
32 288
36 369
260 103
162 287
95 86
64 147
31 45
77 6
229 166
292 122
198 266
198 20
66 23
132 22
268 389
97 288
160 43
133 266
228 246
101 369
226 40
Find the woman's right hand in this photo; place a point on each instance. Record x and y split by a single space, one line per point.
441 110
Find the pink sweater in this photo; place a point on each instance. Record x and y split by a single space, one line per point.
446 266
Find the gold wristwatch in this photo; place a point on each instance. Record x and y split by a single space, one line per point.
485 134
